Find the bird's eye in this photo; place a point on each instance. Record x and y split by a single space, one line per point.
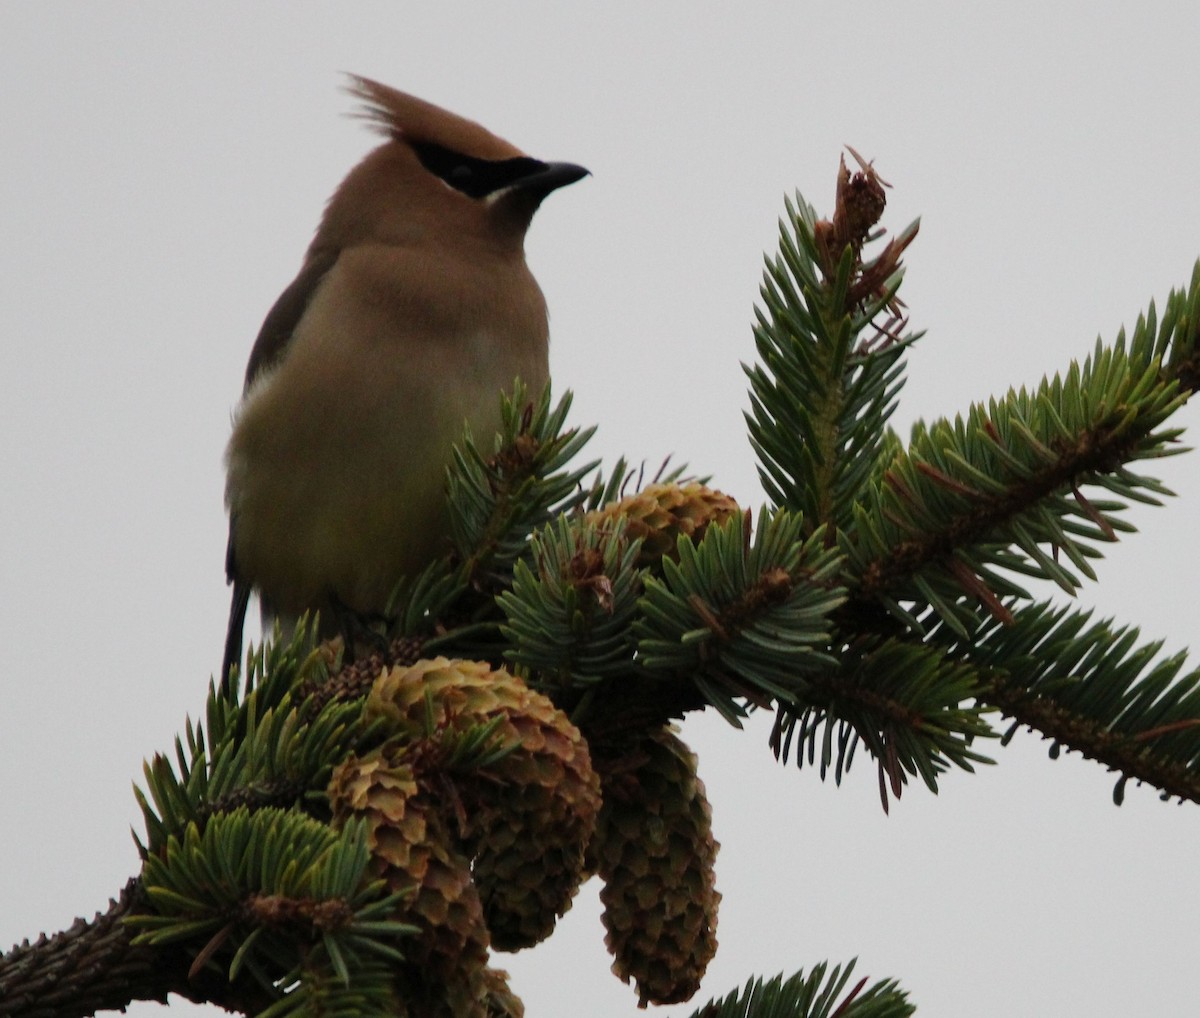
476 178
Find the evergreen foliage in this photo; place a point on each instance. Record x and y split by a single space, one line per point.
878 602
820 994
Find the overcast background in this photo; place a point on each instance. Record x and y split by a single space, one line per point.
163 167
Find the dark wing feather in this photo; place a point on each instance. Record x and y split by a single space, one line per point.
270 346
233 635
282 319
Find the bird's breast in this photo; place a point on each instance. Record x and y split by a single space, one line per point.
336 465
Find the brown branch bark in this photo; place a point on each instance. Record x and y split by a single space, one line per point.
93 965
1130 754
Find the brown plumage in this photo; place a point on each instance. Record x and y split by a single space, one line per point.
413 310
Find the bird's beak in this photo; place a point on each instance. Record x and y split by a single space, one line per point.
551 178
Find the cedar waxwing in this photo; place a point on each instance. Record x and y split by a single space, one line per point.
414 309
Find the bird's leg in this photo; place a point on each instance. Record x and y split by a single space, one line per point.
358 629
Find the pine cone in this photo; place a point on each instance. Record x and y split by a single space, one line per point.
655 851
527 817
445 969
501 1001
660 513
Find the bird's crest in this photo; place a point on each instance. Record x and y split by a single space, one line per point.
402 116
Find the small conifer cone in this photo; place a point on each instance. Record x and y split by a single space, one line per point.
501 1001
655 851
524 819
445 969
660 513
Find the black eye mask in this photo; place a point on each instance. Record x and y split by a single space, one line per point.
476 178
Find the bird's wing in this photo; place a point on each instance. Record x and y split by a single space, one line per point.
269 347
281 320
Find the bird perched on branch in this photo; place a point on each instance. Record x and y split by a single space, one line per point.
414 309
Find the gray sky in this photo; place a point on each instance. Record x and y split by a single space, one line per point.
163 168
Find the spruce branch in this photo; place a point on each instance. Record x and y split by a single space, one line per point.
277 895
261 747
877 603
1174 341
822 993
569 612
822 393
498 499
943 531
1092 688
88 967
1002 491
745 619
915 709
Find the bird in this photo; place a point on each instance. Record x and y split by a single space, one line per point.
413 310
